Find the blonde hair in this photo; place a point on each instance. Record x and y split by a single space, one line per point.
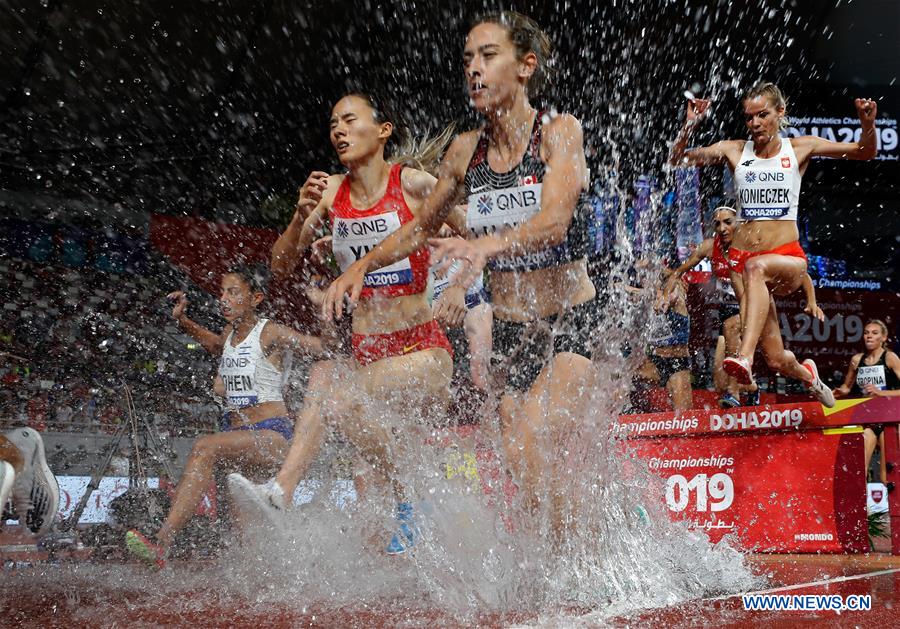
403 147
527 36
881 325
773 95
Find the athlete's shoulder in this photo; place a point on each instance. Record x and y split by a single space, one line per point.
891 357
466 141
856 360
417 182
332 185
560 121
459 154
334 182
272 332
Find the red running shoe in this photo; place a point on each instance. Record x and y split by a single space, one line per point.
739 368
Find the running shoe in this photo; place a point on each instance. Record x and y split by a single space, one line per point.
142 548
7 478
35 492
728 401
738 368
404 539
265 500
752 398
642 516
817 387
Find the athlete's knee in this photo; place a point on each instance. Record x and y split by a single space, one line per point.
754 270
204 448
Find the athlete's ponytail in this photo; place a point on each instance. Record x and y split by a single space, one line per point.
403 147
771 92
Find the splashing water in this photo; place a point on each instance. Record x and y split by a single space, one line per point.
477 553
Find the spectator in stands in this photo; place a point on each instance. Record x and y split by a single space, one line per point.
37 409
873 373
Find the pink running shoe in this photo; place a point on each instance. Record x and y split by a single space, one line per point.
739 368
817 387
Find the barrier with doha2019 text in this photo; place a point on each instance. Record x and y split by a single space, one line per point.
780 478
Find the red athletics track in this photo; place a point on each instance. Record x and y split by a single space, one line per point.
48 600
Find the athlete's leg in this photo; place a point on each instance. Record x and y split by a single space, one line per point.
679 388
10 453
764 275
778 358
882 459
478 325
541 423
732 336
250 449
327 397
411 388
870 440
720 378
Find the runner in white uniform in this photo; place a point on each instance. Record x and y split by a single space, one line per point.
256 428
766 253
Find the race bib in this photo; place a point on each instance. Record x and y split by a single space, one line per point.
764 194
237 370
353 238
871 374
491 211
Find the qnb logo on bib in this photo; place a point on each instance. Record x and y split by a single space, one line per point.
492 210
495 210
873 374
239 362
353 238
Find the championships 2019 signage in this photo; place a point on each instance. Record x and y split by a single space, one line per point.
847 129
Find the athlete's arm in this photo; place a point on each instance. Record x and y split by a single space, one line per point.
411 236
867 147
306 225
812 308
847 385
283 337
209 340
701 252
456 220
680 155
450 308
